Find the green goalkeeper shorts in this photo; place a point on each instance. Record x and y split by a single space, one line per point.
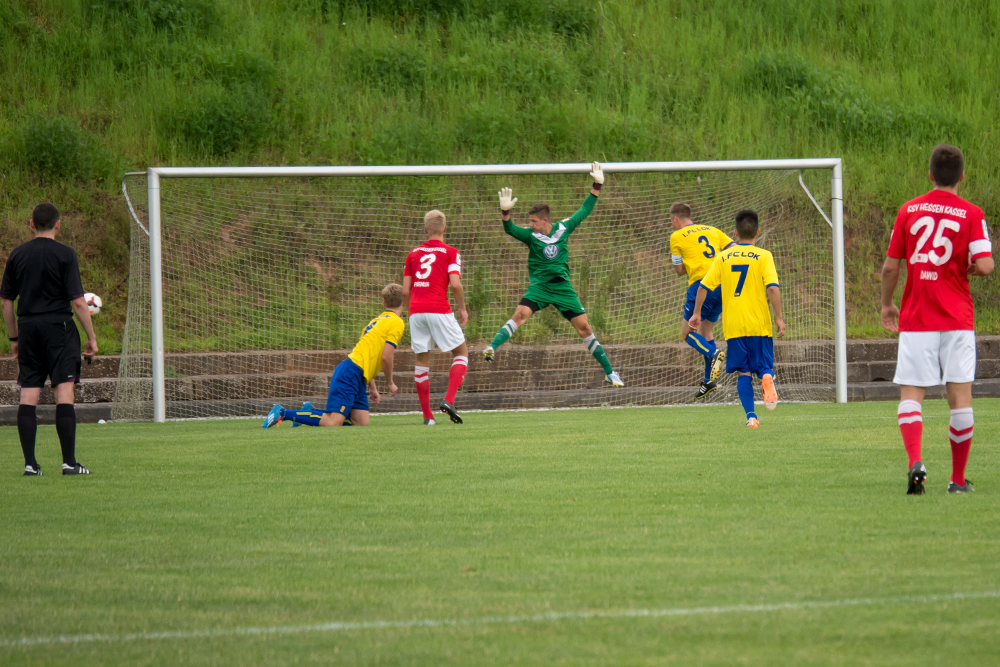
560 294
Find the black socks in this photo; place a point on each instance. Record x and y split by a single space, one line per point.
66 428
27 426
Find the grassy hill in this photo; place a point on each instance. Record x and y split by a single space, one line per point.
92 88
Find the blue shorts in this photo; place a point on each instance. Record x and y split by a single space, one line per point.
750 354
348 389
710 310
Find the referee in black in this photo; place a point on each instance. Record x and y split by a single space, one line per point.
46 276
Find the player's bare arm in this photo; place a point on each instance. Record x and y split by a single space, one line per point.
458 292
79 305
890 278
407 290
774 296
699 301
387 353
10 319
983 266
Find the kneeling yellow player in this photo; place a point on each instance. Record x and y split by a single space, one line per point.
354 377
748 279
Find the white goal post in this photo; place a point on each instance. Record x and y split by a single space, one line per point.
155 176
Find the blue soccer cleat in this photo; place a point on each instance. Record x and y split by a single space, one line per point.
305 406
273 417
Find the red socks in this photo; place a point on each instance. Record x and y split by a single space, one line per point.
960 435
911 426
422 381
456 376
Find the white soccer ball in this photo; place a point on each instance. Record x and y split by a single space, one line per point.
94 302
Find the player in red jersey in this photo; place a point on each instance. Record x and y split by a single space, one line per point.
430 269
943 239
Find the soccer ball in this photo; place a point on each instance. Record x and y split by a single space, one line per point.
94 302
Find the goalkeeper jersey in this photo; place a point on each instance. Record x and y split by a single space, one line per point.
548 256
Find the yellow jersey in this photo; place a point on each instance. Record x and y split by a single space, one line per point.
745 272
386 328
696 247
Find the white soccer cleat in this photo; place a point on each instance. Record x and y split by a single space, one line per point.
613 379
488 354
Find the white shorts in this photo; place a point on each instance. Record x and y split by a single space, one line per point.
930 358
430 329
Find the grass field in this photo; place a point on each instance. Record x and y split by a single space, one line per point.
424 543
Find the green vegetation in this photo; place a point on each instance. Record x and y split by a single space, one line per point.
220 525
90 88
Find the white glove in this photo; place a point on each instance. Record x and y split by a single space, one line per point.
597 173
506 200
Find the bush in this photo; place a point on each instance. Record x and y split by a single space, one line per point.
488 129
224 121
54 147
166 15
392 67
831 102
410 141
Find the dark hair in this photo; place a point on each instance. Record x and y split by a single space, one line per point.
45 216
746 224
682 211
541 210
947 165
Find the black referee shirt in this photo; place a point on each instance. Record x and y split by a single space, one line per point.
45 275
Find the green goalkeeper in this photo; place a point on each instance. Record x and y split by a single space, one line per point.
548 270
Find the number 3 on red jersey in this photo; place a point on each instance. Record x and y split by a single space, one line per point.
425 266
942 249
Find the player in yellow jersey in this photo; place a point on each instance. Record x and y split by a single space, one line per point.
748 279
693 249
347 402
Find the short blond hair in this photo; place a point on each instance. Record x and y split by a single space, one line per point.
392 295
434 222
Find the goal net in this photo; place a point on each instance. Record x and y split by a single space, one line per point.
267 284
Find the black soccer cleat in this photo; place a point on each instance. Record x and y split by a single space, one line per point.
718 365
32 471
450 410
706 388
952 487
916 478
75 469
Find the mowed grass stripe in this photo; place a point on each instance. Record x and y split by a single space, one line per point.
496 620
220 525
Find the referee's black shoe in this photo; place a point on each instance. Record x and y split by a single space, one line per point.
706 388
915 479
33 471
75 469
450 410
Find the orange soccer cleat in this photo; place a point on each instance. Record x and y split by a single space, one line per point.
770 395
753 423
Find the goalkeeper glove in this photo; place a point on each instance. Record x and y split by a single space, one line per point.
598 175
506 200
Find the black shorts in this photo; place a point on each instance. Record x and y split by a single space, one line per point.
48 347
568 314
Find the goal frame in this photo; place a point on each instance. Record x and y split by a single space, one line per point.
155 174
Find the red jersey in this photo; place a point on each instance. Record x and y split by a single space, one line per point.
430 265
938 235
